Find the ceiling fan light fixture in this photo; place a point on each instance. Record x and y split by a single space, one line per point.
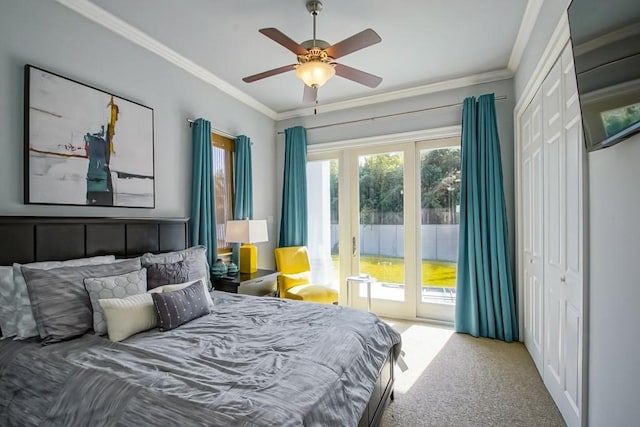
315 73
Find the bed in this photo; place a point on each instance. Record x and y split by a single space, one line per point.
251 362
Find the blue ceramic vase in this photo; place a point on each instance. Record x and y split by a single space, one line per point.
219 268
232 269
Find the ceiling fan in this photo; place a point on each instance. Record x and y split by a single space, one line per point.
316 58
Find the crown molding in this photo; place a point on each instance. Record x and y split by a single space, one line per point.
474 79
131 33
529 18
100 16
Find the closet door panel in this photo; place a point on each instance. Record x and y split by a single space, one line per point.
573 273
554 232
553 338
532 229
573 367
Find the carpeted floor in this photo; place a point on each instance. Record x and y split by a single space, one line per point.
457 380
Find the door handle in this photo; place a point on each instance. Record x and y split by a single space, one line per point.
353 246
563 279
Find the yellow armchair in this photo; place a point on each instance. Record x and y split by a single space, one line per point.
294 281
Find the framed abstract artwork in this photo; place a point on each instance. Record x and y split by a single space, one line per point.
85 146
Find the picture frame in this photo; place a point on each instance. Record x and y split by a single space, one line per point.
84 146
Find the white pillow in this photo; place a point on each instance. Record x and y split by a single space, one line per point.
128 316
177 287
7 309
24 320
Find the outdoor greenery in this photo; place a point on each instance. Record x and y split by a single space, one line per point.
616 120
381 184
386 269
440 185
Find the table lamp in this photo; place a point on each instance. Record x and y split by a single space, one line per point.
247 231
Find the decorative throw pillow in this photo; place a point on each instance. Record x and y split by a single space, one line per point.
177 287
7 309
179 307
24 321
129 315
61 305
163 274
121 286
195 257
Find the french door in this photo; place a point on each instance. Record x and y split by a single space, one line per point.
438 203
389 215
382 228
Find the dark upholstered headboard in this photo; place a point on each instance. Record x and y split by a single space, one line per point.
30 239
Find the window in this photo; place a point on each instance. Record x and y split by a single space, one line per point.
222 152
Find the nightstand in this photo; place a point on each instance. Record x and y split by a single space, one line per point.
260 283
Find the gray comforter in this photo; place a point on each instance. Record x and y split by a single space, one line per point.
252 362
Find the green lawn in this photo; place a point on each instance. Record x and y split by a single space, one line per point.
388 269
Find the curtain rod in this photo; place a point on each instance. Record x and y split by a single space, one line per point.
218 131
497 98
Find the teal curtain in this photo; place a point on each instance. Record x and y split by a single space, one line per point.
293 223
485 302
243 201
203 212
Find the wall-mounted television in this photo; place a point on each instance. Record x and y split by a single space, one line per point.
606 50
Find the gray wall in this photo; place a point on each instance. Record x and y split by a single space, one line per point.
547 21
49 35
415 122
614 228
613 283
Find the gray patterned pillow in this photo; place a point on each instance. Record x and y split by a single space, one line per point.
24 322
167 274
61 305
179 307
121 286
7 309
195 257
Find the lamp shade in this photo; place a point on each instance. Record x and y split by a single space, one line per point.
315 73
247 231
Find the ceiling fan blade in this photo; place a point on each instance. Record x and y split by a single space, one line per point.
279 37
310 94
269 73
358 41
357 76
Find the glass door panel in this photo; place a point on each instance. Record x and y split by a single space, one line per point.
381 225
439 226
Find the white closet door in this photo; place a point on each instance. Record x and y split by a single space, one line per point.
573 275
554 225
532 229
563 213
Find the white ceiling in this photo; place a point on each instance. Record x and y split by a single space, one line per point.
423 41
